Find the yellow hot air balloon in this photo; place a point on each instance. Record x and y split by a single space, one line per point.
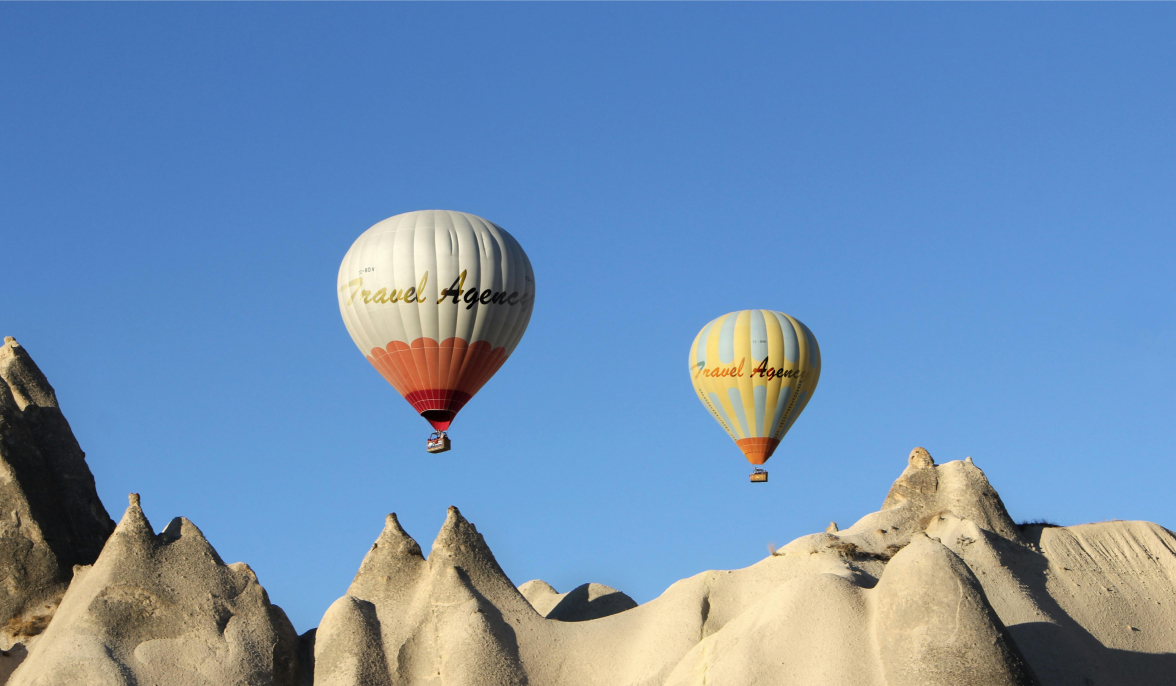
755 370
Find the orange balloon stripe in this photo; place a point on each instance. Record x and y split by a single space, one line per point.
445 362
384 364
471 365
479 365
410 365
457 351
758 450
437 377
420 355
398 367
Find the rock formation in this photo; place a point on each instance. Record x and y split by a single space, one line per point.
584 602
449 619
938 588
50 516
163 609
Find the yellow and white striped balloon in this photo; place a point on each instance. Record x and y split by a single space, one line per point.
755 370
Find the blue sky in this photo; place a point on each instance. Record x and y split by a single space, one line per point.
970 205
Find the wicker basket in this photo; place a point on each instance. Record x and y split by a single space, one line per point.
437 444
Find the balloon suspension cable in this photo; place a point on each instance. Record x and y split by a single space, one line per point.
759 476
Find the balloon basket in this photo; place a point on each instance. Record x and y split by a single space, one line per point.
759 476
438 442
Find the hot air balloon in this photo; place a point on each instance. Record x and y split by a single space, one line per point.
436 301
755 370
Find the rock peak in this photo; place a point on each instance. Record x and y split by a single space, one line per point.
459 544
590 601
134 524
52 519
391 567
145 588
959 487
921 459
26 381
396 537
457 535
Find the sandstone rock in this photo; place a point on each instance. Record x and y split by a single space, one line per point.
915 628
406 620
938 587
50 516
590 601
813 629
935 627
585 602
961 488
923 492
542 595
163 609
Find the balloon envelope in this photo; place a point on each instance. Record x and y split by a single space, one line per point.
436 301
755 370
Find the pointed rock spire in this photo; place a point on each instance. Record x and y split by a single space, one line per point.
459 544
173 530
145 590
391 568
133 535
920 459
396 540
459 541
918 481
133 520
51 519
926 489
28 385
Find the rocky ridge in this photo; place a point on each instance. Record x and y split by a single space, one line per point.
163 609
50 516
582 603
939 587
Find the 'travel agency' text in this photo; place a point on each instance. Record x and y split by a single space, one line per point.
416 294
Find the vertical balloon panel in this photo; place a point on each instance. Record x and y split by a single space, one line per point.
755 370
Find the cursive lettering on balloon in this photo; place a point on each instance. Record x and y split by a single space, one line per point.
762 371
456 291
714 372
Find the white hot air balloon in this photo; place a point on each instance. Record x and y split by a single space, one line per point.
436 301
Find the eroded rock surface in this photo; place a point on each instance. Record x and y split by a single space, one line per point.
163 609
582 603
939 587
449 619
50 516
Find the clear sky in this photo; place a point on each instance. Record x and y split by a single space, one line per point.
973 206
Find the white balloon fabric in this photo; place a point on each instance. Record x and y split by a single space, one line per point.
436 301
